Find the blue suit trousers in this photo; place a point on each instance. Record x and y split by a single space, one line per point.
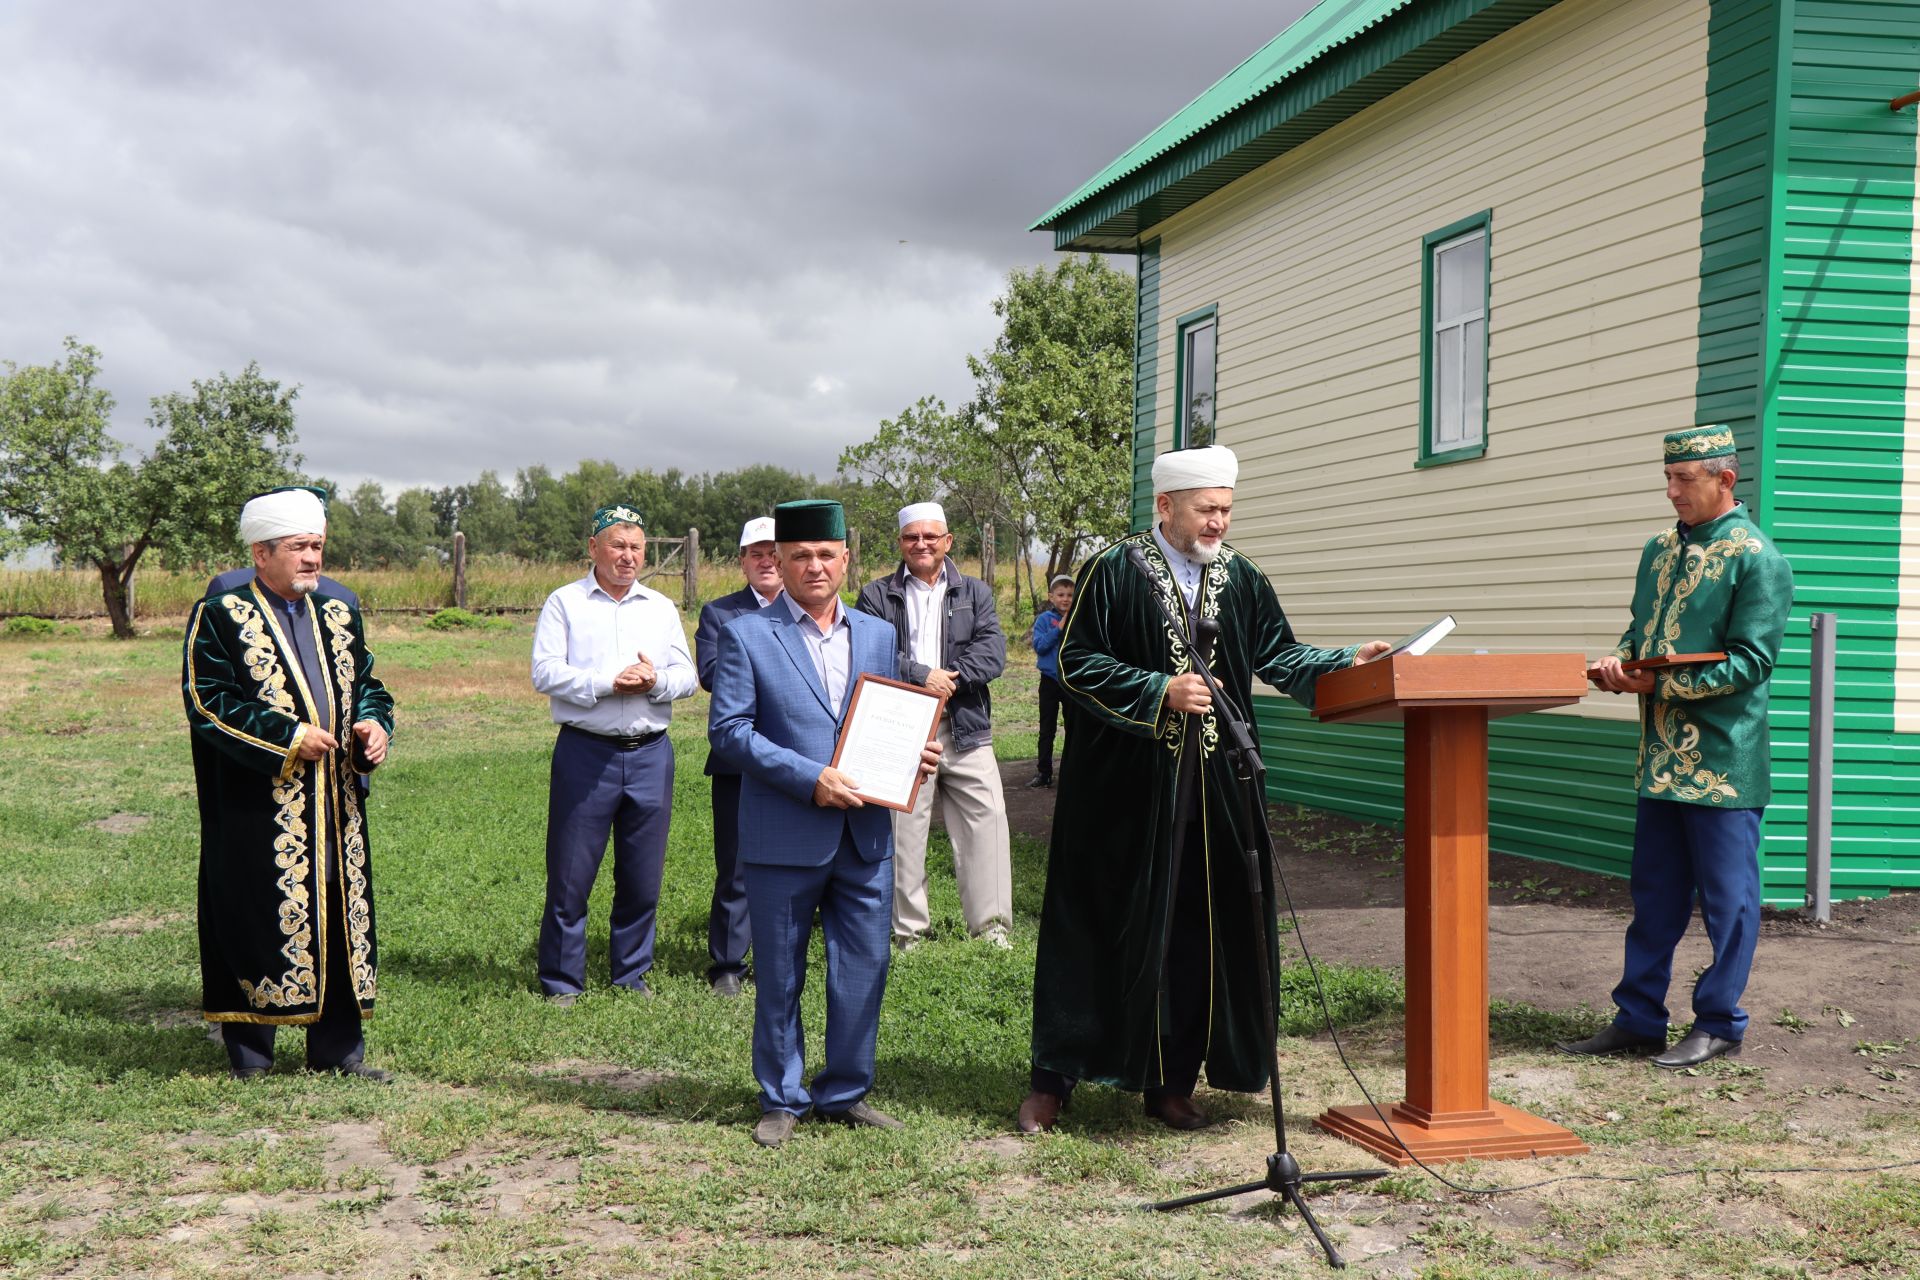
855 901
595 789
729 934
1683 853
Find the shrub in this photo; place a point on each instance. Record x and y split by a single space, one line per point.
29 626
453 619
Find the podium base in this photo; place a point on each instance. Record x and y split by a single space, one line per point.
1507 1133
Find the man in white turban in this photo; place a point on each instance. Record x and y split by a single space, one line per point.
1147 964
285 712
950 641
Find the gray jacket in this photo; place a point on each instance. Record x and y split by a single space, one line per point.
970 643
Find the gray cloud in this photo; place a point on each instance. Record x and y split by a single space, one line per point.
492 235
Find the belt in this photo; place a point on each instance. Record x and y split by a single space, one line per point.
617 741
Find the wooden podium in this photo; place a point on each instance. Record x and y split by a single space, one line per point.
1445 702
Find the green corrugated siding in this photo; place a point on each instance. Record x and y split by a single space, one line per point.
1146 382
1835 422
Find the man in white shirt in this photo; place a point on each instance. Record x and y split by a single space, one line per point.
611 656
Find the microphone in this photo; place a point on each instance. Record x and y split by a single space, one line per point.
1206 632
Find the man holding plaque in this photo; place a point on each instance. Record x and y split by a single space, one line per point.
1714 591
1147 968
784 677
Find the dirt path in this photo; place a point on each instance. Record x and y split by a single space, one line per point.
1818 993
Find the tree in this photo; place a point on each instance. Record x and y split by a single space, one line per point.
62 480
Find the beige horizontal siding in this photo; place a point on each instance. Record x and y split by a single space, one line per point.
1582 130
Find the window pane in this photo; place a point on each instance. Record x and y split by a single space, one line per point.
1446 389
1462 269
1200 385
1473 397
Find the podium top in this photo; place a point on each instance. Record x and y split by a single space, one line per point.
1505 684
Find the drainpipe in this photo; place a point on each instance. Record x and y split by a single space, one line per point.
1820 769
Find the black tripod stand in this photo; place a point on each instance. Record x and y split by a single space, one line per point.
1284 1175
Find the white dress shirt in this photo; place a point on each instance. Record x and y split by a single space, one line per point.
1186 570
585 638
832 649
925 616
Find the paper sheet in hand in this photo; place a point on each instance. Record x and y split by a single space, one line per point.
887 727
1417 644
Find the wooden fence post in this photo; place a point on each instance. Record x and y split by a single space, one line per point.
987 557
690 570
459 570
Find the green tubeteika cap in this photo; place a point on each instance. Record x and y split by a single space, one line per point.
1696 443
810 520
620 513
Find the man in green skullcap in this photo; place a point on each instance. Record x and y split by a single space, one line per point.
1712 584
611 656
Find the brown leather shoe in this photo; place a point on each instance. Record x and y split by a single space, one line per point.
1176 1113
1039 1112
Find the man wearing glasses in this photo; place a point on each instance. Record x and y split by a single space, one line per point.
950 642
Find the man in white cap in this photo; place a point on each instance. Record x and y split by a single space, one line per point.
285 711
950 642
1147 964
729 934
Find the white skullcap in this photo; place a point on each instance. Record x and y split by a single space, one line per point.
760 530
281 515
1212 467
917 511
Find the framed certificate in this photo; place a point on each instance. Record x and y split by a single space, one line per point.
888 724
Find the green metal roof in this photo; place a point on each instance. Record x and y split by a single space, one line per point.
1337 59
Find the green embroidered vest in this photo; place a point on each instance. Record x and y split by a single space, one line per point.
1723 587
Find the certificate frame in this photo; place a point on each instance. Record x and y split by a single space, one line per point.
1663 662
853 727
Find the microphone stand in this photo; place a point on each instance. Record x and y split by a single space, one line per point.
1284 1176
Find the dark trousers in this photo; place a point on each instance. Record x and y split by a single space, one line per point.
596 788
729 932
1683 853
854 899
335 1040
1183 1008
1049 718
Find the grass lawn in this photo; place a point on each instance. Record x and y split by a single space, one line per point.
612 1138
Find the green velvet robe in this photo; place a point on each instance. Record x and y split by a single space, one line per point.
1703 729
267 816
1096 1003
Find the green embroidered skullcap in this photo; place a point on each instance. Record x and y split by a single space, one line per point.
810 520
1696 443
619 513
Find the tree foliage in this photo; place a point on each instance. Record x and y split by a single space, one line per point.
63 480
1044 447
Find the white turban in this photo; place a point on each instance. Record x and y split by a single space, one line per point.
914 512
1211 467
281 515
753 531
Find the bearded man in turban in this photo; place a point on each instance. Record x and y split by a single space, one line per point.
285 710
1146 968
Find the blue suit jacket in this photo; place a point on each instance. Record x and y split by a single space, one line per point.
770 720
706 649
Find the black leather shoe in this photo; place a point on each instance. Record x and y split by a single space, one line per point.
1696 1048
1038 782
1614 1041
1039 1112
247 1073
861 1114
361 1071
725 984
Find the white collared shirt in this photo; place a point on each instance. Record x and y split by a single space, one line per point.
585 638
926 605
1186 570
832 649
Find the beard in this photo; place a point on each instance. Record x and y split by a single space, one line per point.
1204 552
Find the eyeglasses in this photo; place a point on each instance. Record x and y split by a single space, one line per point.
923 537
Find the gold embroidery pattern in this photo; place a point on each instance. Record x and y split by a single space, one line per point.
353 841
263 661
1212 584
1703 443
1174 729
300 984
1674 758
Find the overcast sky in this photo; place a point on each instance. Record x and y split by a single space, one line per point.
488 235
